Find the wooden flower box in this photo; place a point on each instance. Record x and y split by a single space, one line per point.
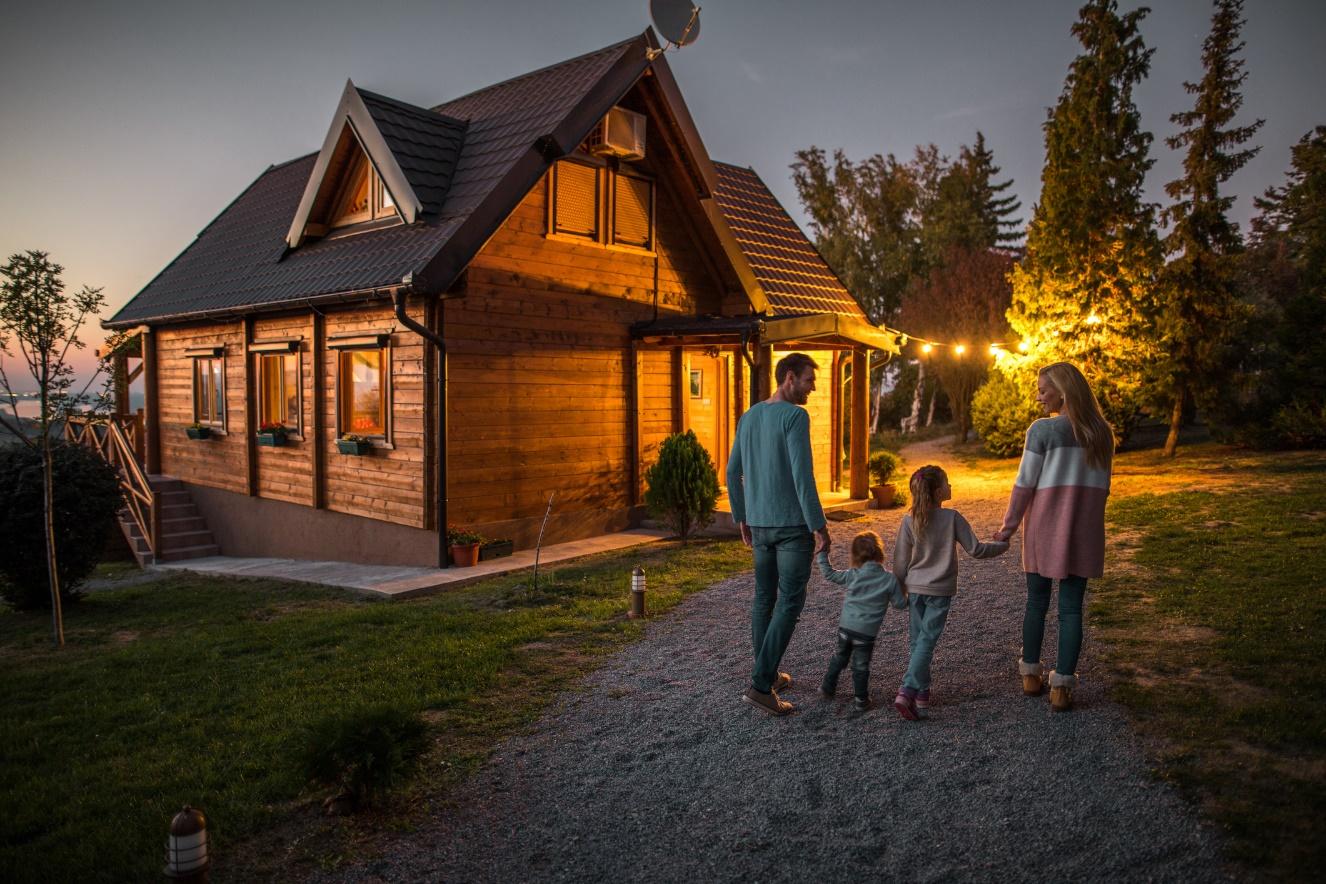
496 549
271 439
358 447
199 432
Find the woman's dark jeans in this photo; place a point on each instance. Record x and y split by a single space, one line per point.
1072 592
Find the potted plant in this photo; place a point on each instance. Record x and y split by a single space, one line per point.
352 443
273 434
882 465
464 546
495 549
198 431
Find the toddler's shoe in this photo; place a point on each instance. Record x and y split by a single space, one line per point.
861 704
923 704
906 706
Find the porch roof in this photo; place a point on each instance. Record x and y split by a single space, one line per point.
825 329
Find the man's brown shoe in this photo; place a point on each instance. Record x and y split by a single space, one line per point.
767 702
782 682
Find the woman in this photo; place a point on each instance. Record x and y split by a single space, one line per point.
1060 489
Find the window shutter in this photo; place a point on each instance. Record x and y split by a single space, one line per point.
632 201
577 199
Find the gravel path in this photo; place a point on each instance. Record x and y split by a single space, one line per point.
655 771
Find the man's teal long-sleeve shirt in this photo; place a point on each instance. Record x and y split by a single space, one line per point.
770 475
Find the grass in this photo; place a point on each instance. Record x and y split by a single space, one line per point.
1214 615
199 690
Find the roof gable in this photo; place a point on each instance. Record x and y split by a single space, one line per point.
794 276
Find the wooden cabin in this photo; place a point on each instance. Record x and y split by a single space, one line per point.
513 295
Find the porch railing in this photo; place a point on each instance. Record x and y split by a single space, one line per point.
119 442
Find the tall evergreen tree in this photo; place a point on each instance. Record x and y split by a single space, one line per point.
1199 301
967 209
1084 290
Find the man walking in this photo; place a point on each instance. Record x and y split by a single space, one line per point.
771 486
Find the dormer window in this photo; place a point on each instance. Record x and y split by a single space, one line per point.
363 197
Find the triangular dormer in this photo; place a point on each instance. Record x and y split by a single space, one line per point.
371 168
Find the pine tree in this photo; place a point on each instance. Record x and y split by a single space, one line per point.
1000 230
1199 301
1084 290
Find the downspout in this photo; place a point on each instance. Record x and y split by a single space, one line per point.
398 301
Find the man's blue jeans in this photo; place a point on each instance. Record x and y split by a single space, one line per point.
782 569
928 615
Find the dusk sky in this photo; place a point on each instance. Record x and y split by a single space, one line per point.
128 126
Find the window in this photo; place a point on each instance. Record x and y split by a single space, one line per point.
209 391
601 204
362 393
363 196
278 389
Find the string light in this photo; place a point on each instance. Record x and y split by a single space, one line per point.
960 349
926 348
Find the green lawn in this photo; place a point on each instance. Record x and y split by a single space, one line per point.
1216 622
197 690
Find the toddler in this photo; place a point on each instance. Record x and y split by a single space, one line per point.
925 562
870 589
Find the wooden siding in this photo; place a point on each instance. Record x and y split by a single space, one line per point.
219 461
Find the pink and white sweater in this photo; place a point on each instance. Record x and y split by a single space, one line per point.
1063 502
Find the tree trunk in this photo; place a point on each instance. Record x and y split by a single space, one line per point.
48 508
930 415
910 423
879 399
1175 422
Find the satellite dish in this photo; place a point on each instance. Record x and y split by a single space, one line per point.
677 21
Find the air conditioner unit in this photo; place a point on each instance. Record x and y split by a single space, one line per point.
620 134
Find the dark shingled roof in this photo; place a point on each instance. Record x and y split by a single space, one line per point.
240 259
794 276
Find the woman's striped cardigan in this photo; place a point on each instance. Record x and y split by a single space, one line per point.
1063 502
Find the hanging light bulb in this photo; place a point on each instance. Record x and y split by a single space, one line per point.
1093 319
926 348
1023 346
994 349
960 349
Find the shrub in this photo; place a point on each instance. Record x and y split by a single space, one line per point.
87 496
882 465
1001 411
457 536
682 488
365 752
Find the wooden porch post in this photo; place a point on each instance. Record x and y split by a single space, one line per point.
835 392
860 384
680 385
151 401
762 383
250 408
319 372
120 374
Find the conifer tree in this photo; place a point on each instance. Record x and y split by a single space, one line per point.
1198 298
1084 290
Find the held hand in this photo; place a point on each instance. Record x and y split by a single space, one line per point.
822 541
1002 535
745 534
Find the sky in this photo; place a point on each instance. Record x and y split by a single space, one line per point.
126 127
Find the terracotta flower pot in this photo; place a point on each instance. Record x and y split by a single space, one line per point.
466 556
883 495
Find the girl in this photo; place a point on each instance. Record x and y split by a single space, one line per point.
1061 488
925 563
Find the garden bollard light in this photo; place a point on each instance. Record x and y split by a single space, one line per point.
637 594
186 848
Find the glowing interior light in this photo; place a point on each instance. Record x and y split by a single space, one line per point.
994 349
926 348
960 349
1023 346
1093 319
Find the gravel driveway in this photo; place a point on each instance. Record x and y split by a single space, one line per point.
653 770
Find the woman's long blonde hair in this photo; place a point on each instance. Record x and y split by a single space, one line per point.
1090 428
925 484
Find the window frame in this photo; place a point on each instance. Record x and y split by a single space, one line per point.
605 219
295 426
198 359
378 194
652 227
353 344
598 167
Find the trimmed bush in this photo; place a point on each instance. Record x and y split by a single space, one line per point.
882 466
366 752
682 488
87 496
1001 411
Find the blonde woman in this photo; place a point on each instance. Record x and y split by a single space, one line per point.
1060 491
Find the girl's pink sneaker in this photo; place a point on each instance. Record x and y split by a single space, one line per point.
906 706
923 704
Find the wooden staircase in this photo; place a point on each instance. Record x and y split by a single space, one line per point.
184 534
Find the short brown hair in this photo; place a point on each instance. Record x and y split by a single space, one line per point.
867 547
792 363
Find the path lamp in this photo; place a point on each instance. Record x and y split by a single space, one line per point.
637 611
186 847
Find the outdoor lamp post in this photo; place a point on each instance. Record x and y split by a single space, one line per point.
186 848
637 594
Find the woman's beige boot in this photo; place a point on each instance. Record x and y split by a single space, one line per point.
1061 691
1033 679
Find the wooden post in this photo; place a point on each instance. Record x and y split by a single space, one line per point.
836 422
120 373
860 392
250 409
680 384
635 432
151 401
319 428
762 384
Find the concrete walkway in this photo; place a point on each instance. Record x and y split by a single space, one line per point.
397 582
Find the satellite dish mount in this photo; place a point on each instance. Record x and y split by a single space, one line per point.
677 22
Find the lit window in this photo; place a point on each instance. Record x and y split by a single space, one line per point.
363 197
278 385
209 392
361 391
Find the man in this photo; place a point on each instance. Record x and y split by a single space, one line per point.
771 486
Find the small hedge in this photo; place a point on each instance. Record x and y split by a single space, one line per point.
87 496
682 488
1001 411
366 752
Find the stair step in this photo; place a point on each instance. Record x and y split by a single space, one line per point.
162 484
176 498
189 552
179 511
186 539
182 524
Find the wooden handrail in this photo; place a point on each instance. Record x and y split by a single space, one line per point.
116 440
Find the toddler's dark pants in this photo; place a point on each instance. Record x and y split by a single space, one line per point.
856 648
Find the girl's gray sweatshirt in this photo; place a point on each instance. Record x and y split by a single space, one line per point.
870 588
930 567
